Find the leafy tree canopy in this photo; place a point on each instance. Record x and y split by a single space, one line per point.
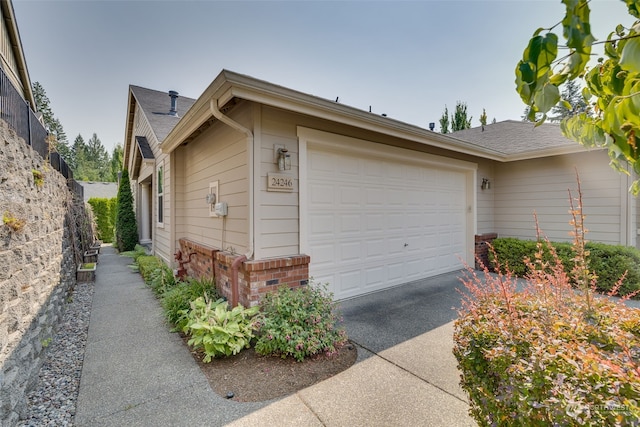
611 87
444 121
459 120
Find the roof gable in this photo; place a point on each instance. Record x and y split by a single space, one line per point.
155 106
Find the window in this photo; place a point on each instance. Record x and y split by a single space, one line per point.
160 185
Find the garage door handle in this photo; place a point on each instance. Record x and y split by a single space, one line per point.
406 244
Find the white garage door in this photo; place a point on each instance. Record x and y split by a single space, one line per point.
375 223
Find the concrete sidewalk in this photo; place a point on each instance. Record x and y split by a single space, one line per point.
137 373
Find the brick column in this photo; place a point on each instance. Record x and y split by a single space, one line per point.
257 277
482 249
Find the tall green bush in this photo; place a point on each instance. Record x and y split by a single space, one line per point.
104 213
126 227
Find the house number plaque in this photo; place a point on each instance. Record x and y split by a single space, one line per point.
279 182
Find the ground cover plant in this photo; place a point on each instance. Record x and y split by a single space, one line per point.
551 354
299 323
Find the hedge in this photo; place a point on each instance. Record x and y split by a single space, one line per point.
608 262
104 212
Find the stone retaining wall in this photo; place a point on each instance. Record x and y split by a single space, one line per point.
37 266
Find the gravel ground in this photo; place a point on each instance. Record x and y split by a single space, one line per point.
53 400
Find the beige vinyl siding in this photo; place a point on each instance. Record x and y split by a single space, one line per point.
277 224
541 186
485 198
219 154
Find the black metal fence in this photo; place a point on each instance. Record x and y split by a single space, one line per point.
16 112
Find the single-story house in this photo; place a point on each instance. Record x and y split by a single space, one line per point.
260 185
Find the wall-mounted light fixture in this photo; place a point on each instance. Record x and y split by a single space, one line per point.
486 184
284 159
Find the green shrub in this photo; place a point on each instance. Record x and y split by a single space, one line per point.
217 330
550 354
104 214
146 265
136 253
608 262
126 227
177 301
300 323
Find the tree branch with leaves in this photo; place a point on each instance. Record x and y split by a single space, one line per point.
611 87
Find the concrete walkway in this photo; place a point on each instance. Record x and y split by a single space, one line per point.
137 373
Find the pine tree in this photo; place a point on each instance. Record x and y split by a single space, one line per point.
51 122
572 102
126 227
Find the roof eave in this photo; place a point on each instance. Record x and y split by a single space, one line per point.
229 85
557 151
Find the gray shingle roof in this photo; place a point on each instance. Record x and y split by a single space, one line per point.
512 137
156 104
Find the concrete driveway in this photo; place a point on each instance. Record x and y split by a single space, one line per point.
406 373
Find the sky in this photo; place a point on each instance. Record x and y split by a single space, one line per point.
407 60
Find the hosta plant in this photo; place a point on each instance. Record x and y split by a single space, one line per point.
218 331
550 354
177 301
300 323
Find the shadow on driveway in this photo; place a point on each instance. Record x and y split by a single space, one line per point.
384 319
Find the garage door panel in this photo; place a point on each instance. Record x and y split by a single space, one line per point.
386 221
350 223
322 195
321 225
350 251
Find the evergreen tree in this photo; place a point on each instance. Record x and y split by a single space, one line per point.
572 102
459 120
43 105
126 227
116 162
99 165
444 121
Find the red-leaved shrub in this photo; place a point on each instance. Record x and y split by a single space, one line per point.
538 352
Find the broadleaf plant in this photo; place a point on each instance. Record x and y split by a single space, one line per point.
611 87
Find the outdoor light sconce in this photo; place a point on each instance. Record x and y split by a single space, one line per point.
284 159
486 184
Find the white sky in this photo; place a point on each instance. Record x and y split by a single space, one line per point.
405 59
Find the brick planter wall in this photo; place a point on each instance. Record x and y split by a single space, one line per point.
482 249
255 278
201 259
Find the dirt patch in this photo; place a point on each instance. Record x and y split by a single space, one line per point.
255 378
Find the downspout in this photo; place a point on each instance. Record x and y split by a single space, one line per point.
215 111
